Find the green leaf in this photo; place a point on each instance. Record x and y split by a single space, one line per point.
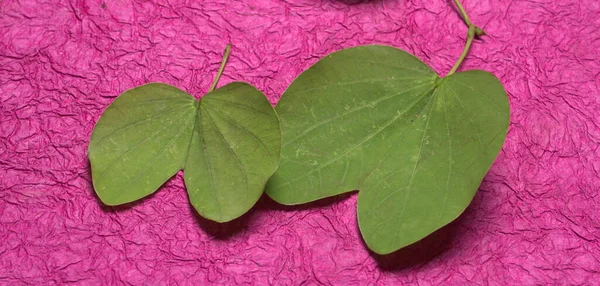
227 143
377 119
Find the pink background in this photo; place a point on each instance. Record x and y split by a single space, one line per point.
535 220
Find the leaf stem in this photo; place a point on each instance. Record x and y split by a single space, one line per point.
463 13
221 68
472 32
470 36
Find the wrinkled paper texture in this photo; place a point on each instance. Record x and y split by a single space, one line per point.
535 220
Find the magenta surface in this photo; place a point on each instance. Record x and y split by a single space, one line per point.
535 220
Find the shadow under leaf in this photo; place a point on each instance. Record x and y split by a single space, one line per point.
270 204
420 252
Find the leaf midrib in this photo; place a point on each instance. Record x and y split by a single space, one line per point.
103 171
240 127
308 130
370 80
432 96
210 175
394 119
237 159
123 128
154 159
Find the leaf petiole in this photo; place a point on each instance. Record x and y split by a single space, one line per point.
221 68
463 13
473 32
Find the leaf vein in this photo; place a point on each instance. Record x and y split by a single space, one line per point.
237 105
414 172
319 124
138 122
140 173
480 92
445 199
424 72
134 147
239 162
142 102
394 173
385 156
470 117
261 142
351 83
209 169
367 138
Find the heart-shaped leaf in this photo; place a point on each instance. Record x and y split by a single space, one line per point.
227 143
377 119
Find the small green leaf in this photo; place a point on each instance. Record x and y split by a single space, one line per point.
377 119
227 144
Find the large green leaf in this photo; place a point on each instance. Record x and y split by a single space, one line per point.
377 119
227 143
